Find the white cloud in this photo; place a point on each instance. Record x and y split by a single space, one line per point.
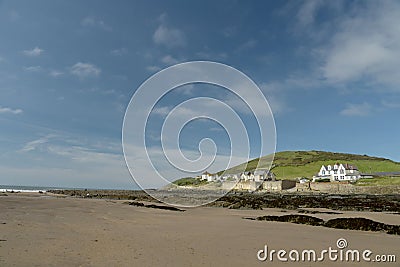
33 52
56 73
211 55
61 160
275 99
35 144
272 94
391 104
307 12
10 110
169 37
170 60
153 68
119 52
247 45
178 112
83 154
33 68
162 111
229 31
366 45
93 22
362 109
186 89
83 70
163 17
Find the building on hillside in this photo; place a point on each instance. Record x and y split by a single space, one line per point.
303 180
209 177
229 177
205 176
259 175
338 172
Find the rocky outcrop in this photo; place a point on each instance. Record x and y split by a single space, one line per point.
360 224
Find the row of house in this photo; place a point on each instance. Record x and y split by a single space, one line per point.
256 176
335 173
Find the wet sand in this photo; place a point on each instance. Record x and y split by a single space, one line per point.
43 230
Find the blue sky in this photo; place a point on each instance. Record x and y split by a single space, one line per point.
68 69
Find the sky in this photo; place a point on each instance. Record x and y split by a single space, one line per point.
68 70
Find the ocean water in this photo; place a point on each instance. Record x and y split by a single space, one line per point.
27 189
36 189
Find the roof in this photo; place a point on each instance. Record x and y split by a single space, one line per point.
261 172
345 165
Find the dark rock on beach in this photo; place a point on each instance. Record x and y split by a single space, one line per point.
299 219
376 203
360 224
162 207
318 212
363 225
107 194
244 200
136 204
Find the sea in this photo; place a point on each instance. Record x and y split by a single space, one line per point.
26 189
37 189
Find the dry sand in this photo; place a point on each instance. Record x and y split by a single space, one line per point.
38 230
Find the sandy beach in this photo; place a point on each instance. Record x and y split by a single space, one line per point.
46 230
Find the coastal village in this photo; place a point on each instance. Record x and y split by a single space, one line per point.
264 179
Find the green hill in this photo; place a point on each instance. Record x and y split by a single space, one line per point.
293 164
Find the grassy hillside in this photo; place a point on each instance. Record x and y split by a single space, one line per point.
292 164
189 181
380 181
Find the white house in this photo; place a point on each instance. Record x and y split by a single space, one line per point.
206 176
210 177
338 172
257 175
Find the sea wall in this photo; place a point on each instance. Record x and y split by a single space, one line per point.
345 188
278 185
247 185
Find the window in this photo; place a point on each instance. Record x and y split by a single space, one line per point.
335 171
323 172
336 177
341 171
